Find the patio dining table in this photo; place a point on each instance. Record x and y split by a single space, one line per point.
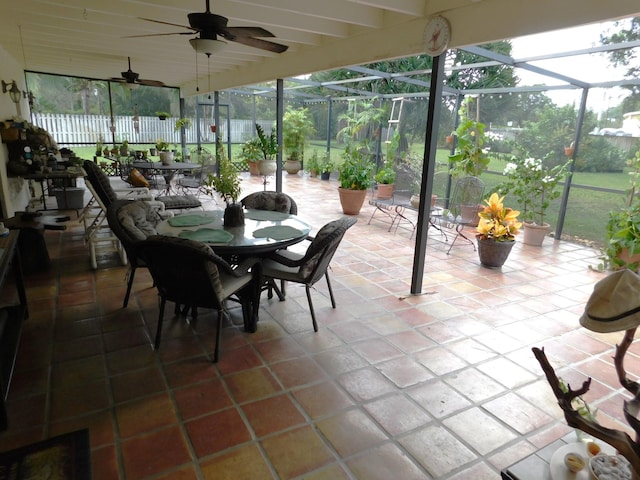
263 232
168 171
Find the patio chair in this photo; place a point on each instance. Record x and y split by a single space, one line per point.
188 273
194 181
270 200
311 266
132 221
460 210
276 202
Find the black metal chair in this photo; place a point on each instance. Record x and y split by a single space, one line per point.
189 273
311 266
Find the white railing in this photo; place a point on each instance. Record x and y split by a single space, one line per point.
88 129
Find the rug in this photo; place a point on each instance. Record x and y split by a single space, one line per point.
65 457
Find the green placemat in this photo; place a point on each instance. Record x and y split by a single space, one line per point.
282 232
265 215
208 235
190 220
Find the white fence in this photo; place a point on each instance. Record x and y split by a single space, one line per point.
69 129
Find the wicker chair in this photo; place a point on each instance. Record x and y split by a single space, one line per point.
188 273
311 266
275 201
132 221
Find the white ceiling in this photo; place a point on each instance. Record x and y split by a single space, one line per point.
86 37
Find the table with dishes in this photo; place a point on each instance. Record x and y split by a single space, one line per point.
557 461
264 231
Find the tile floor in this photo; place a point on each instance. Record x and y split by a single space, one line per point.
439 385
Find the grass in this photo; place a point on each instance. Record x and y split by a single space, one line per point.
587 208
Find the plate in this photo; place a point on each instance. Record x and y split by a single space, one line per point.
190 220
559 470
207 235
282 232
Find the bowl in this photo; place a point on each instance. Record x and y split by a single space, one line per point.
616 466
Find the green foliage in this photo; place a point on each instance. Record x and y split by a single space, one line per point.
325 165
355 171
623 226
385 175
227 182
597 154
296 128
182 122
470 157
313 162
534 184
268 143
360 115
251 150
163 114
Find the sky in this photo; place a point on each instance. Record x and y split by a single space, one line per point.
589 68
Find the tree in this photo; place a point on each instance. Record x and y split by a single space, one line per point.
627 57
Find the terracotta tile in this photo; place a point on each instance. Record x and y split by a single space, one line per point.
279 349
384 462
298 372
365 384
69 401
322 399
145 414
404 372
517 413
297 452
189 371
351 432
272 415
340 360
131 359
202 398
243 462
104 463
78 371
217 432
141 454
100 425
184 473
438 399
252 385
481 431
238 359
139 383
397 414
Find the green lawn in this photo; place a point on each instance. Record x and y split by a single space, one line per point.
587 209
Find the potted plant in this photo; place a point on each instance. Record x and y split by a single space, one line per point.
269 148
470 157
622 240
166 156
251 153
385 178
496 231
313 164
124 148
534 184
325 167
355 178
163 115
182 123
227 185
296 128
99 147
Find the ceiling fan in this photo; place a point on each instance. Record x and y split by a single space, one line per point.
211 26
132 77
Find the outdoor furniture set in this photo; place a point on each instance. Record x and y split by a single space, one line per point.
197 261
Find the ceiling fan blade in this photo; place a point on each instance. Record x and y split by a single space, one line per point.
262 44
166 23
150 83
158 34
246 32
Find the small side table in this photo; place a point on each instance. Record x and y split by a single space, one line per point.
35 256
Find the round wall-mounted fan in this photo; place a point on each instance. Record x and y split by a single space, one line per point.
211 26
132 77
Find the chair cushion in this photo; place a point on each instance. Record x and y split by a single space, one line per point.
179 201
137 179
273 201
139 219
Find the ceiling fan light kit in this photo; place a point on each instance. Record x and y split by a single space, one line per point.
207 46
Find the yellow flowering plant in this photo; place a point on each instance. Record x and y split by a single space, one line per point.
498 222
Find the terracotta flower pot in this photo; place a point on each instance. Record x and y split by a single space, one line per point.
253 168
351 200
385 191
535 234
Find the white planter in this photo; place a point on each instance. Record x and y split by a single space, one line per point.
267 167
535 234
166 158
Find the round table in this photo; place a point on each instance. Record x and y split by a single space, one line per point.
247 240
